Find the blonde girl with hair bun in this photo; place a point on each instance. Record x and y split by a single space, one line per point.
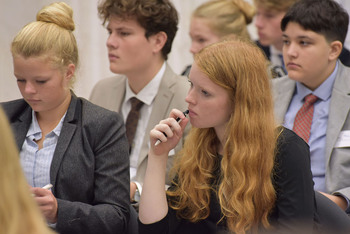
216 19
64 140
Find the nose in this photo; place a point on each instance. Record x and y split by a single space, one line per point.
194 48
258 21
190 99
290 50
111 41
29 88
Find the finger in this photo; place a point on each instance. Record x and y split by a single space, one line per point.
175 113
159 134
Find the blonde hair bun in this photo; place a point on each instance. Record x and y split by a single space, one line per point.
246 8
58 13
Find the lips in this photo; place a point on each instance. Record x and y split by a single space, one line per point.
292 65
191 113
112 56
32 100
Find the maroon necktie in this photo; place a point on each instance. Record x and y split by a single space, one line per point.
303 119
132 120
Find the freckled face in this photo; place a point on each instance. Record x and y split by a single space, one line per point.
208 103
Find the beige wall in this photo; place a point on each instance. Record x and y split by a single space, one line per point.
91 37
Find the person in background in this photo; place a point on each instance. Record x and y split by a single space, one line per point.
268 23
238 170
18 211
78 147
216 19
141 33
318 85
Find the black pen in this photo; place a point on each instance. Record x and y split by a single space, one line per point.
177 120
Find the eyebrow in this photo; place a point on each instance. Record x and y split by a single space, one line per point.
298 37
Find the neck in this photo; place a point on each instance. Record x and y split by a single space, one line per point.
220 133
321 76
140 78
48 120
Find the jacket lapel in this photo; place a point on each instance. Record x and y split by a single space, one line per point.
339 108
160 107
283 92
67 132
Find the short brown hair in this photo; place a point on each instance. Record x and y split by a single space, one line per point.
277 5
153 15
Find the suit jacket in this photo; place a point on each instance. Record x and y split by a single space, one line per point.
90 167
337 160
109 93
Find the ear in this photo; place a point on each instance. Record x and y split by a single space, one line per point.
158 41
69 72
335 50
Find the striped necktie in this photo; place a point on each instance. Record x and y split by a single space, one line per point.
303 119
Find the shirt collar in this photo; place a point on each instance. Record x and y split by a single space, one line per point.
323 92
34 130
149 92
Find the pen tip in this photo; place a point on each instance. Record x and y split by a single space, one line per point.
186 112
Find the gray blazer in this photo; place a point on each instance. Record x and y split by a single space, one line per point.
89 169
109 93
337 159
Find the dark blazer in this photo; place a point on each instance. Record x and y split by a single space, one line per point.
89 169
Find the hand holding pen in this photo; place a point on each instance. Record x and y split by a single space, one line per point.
169 131
178 119
46 201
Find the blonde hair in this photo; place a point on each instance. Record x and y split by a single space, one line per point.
245 189
18 211
227 16
277 5
50 36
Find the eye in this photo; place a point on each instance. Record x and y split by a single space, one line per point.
124 34
191 84
205 93
286 42
41 81
304 43
20 81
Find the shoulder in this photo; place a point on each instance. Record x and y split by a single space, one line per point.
291 148
14 108
282 83
265 49
94 111
110 82
95 116
171 79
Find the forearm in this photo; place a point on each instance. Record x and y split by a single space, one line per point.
82 218
153 203
337 199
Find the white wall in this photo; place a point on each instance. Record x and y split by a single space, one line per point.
91 37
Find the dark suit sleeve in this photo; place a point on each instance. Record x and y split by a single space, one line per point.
100 203
293 182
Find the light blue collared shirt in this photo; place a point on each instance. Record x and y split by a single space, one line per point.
317 141
36 163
